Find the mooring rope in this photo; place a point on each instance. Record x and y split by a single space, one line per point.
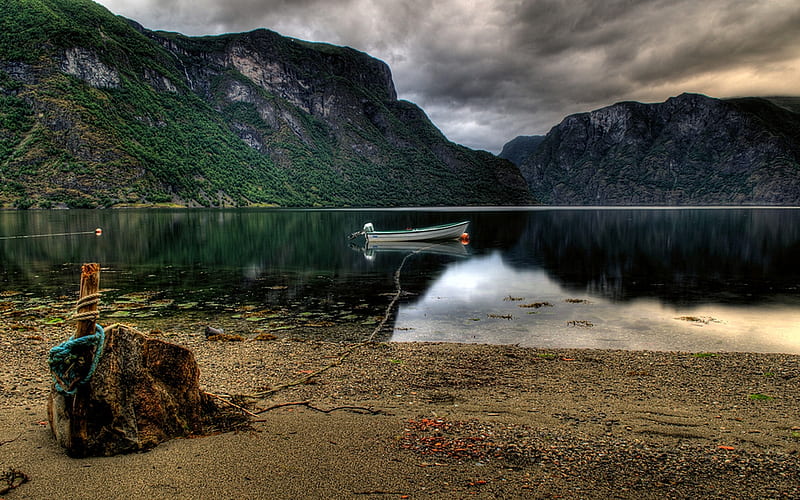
86 300
347 352
19 237
398 292
63 357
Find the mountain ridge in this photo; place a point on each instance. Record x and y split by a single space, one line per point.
99 111
688 150
521 147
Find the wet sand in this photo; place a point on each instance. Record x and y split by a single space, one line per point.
437 421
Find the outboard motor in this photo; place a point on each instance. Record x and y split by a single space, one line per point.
368 228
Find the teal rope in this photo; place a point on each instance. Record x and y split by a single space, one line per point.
62 361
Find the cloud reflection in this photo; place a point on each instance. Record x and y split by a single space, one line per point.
480 301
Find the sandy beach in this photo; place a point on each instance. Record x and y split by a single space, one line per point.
393 420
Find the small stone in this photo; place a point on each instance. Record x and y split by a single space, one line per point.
211 331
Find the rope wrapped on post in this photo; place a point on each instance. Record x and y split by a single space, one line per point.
64 357
86 301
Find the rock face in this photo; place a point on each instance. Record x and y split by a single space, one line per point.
520 148
86 65
144 391
691 149
106 112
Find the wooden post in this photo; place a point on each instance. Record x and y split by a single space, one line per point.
88 299
86 313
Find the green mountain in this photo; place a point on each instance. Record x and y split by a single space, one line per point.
689 150
97 111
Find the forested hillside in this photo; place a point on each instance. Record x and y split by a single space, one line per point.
97 111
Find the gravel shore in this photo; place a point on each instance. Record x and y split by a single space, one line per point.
391 420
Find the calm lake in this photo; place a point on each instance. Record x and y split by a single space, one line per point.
658 279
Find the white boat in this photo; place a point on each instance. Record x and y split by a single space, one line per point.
442 232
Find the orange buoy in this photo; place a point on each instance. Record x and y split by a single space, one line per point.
464 238
98 231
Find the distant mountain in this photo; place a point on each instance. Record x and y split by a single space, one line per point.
790 103
520 148
689 150
95 110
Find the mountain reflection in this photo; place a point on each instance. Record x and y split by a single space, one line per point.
685 256
677 256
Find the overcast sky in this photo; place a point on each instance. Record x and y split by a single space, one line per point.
486 71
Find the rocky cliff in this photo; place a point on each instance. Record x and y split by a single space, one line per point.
98 111
520 148
689 150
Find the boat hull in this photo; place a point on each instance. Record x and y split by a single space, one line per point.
433 233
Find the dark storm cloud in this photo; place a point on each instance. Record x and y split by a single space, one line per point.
487 71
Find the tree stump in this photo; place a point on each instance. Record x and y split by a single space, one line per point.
144 391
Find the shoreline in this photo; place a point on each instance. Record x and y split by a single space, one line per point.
447 421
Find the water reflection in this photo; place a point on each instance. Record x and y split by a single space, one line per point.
450 248
638 269
484 300
677 256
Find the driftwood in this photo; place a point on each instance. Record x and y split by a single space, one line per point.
127 393
144 391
